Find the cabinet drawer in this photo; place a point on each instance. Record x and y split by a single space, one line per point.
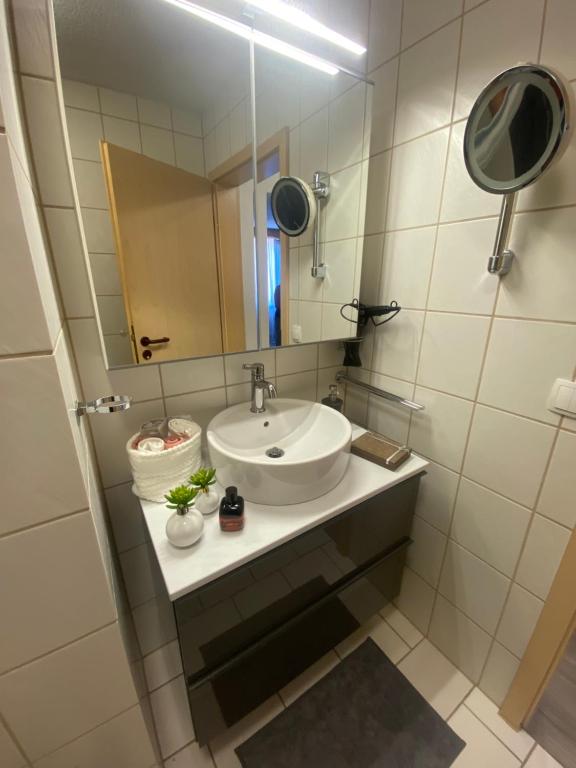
230 692
217 622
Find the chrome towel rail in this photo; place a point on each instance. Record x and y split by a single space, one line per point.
343 376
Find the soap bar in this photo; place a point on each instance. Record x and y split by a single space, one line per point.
380 450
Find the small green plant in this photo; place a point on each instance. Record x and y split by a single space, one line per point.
203 479
181 498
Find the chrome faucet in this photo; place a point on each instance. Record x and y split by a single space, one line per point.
259 387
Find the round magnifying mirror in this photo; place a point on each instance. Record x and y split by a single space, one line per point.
516 128
293 205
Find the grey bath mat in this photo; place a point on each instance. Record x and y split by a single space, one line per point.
362 714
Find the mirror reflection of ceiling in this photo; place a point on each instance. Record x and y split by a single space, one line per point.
143 46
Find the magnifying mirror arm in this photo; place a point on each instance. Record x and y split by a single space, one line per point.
502 258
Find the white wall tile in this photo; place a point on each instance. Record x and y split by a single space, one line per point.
80 95
496 35
310 319
462 199
557 44
202 406
19 331
522 362
542 555
172 716
518 620
397 344
158 144
440 431
105 274
163 665
490 526
412 203
341 216
47 141
415 600
541 287
187 122
90 184
426 84
31 696
154 113
426 552
498 673
295 359
473 586
84 132
126 517
192 375
112 315
422 17
235 374
118 104
74 589
142 575
407 264
302 386
121 741
189 153
98 231
559 490
68 254
377 193
384 31
462 641
436 496
525 444
340 258
141 383
383 104
460 280
346 128
33 38
56 483
452 352
385 417
124 133
154 624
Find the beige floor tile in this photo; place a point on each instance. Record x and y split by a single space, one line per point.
482 750
442 685
401 625
541 759
518 742
308 678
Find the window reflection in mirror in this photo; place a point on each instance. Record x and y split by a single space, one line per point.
158 115
316 122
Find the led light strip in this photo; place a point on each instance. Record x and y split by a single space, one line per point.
259 38
302 20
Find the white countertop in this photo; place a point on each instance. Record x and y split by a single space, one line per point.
265 527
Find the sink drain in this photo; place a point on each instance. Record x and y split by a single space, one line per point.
274 453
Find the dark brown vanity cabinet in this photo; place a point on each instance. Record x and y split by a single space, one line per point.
247 634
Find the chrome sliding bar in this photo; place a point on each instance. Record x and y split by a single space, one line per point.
343 376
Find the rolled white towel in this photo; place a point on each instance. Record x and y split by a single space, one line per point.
155 473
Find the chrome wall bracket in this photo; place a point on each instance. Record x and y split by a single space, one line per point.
501 260
109 404
321 189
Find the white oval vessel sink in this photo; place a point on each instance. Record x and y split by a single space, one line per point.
312 445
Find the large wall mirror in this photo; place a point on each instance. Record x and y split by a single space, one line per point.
186 257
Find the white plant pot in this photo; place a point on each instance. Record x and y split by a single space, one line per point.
184 530
207 503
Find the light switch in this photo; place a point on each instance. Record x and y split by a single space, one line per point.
562 398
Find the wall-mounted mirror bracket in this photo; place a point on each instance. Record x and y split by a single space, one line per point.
501 260
321 189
